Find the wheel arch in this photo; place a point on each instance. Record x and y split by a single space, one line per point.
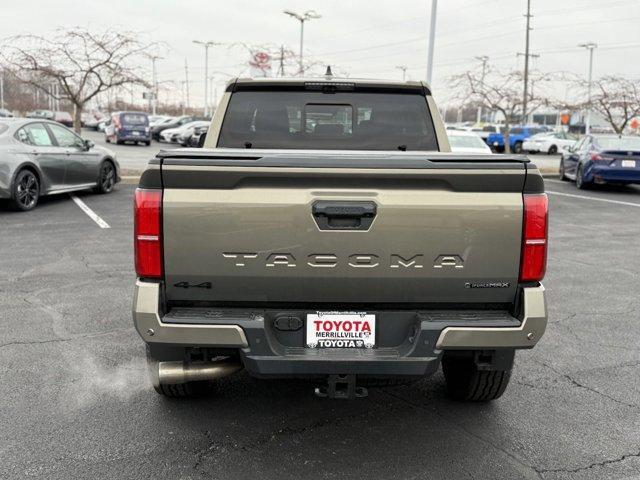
36 171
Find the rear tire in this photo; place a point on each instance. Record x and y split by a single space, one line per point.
25 191
517 147
552 150
468 384
561 174
580 182
106 178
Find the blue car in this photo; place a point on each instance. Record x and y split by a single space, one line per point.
602 159
128 127
517 136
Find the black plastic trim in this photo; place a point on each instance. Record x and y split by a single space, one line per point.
303 84
533 182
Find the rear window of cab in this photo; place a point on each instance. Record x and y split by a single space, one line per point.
344 120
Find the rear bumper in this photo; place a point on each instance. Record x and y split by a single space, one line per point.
608 174
133 138
410 343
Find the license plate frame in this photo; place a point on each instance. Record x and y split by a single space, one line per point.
344 330
629 164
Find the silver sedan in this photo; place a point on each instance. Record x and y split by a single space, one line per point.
41 157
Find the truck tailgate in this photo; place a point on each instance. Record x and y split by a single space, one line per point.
340 229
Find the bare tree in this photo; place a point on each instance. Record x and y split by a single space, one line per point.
501 92
617 99
82 63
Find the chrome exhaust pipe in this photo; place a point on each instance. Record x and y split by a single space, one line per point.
175 373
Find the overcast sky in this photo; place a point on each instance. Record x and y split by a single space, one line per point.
364 38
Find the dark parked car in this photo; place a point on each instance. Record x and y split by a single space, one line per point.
178 122
40 157
602 159
128 127
64 118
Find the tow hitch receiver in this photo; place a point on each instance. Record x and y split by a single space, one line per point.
341 386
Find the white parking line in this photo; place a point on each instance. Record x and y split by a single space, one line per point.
586 197
92 215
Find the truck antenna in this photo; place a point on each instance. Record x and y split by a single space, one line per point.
328 73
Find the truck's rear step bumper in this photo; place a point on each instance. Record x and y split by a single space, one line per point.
409 342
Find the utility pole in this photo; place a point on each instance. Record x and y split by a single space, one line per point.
308 15
186 79
526 89
214 94
591 46
484 59
182 100
154 81
403 68
432 39
526 64
206 46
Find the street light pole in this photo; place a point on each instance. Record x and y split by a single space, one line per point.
484 59
206 46
591 47
153 101
308 15
403 68
432 39
526 65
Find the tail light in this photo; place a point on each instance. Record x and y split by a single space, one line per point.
148 233
596 157
533 262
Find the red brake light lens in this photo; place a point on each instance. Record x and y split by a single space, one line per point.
596 157
148 233
533 263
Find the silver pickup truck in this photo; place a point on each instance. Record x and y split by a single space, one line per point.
326 232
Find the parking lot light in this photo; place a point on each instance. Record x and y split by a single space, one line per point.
591 46
308 15
206 46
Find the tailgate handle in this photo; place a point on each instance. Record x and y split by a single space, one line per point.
331 215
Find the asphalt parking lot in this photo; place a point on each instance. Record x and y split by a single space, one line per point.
132 158
76 402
